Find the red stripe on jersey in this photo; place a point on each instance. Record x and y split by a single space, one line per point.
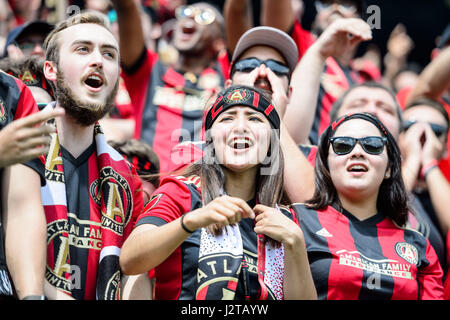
169 277
166 137
388 236
137 86
338 226
430 277
93 255
26 104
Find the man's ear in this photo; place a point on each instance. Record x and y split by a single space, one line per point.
50 70
228 83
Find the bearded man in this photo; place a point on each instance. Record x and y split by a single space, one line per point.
91 195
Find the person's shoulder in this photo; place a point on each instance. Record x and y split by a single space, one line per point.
186 181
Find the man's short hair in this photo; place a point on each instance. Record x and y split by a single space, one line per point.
51 42
369 84
420 101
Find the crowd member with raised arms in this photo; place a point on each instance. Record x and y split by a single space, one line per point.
216 231
354 229
169 99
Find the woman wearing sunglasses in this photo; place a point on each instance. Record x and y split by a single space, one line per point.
216 231
357 244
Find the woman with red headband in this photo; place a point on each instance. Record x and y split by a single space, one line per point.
217 232
353 226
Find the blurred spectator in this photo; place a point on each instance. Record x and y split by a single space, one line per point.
31 71
169 98
27 40
144 159
423 145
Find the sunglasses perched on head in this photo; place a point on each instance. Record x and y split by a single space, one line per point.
371 145
201 16
347 7
250 64
438 130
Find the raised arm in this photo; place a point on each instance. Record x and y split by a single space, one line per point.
305 80
25 229
434 79
277 14
238 17
130 31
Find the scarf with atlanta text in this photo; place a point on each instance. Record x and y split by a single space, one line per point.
113 198
228 246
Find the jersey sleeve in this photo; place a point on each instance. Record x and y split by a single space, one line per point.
430 277
137 77
169 202
302 38
26 104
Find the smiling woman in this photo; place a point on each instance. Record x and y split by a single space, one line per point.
216 231
354 226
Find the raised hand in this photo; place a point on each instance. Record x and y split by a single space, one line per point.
224 210
343 35
27 138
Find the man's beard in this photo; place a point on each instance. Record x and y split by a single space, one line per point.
84 113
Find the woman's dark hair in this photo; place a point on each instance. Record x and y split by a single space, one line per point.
269 182
392 196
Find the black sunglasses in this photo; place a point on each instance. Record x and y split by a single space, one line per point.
371 145
437 128
250 64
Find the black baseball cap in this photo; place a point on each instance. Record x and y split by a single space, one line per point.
39 27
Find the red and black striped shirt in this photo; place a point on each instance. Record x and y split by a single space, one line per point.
369 259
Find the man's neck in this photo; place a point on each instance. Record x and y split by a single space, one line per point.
72 136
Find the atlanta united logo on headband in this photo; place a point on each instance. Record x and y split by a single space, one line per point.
237 95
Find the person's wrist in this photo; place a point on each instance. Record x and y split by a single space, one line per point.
188 228
428 166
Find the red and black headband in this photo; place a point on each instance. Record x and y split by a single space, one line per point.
242 96
364 115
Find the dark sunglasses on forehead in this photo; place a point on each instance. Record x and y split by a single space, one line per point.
201 16
348 7
371 145
250 64
438 130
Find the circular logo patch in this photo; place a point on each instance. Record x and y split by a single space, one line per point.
407 252
237 95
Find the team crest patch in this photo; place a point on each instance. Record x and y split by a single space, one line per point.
238 95
117 198
407 252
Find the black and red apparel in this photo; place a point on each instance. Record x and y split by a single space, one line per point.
169 103
354 259
188 274
16 101
91 204
336 79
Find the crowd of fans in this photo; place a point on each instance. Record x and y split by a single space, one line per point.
155 149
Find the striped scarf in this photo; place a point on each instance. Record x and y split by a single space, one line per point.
228 246
113 192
